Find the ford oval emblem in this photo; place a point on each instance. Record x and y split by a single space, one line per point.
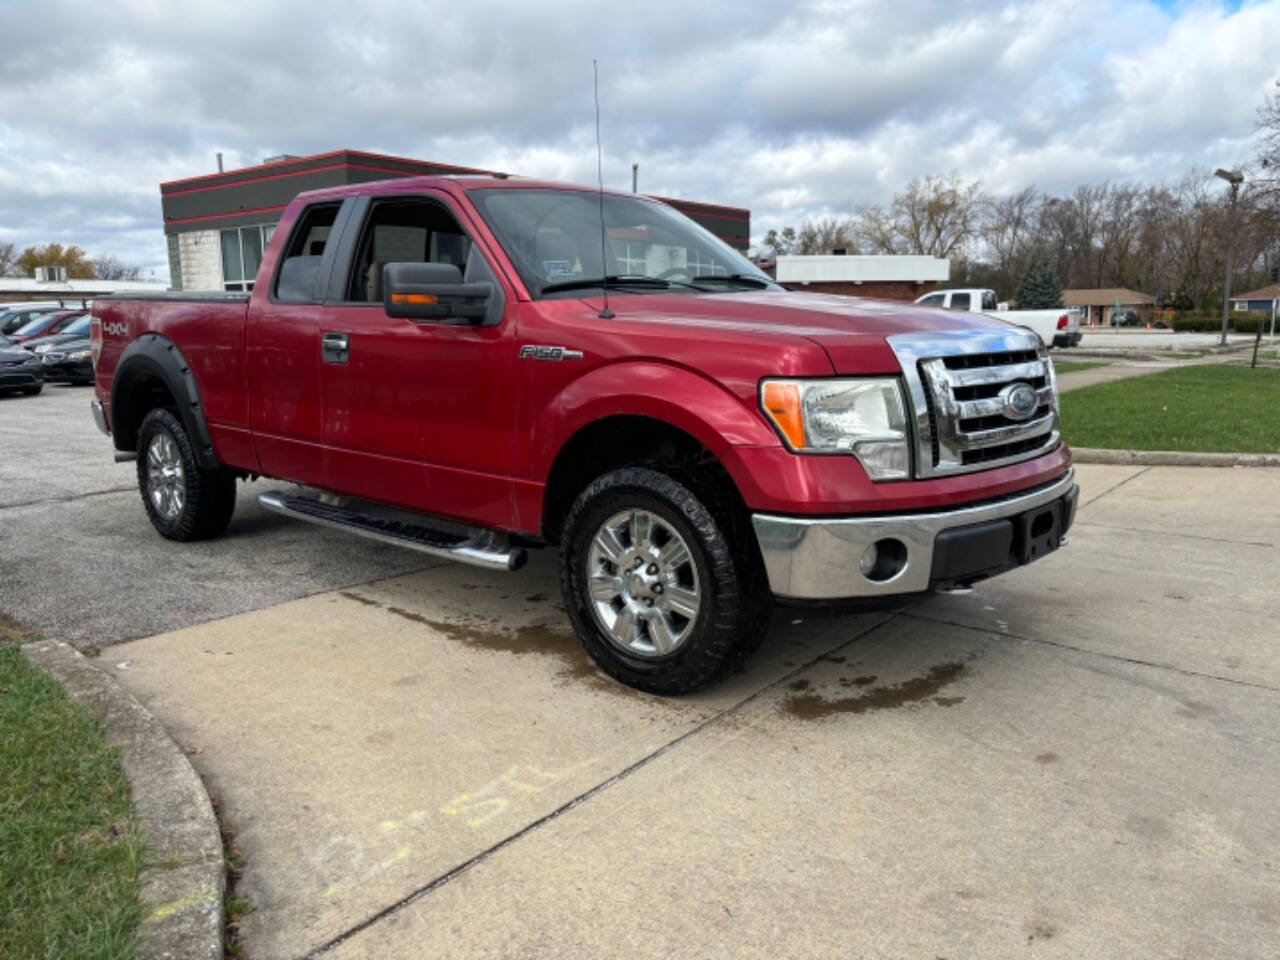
1020 401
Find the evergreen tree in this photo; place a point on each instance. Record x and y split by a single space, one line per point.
1039 288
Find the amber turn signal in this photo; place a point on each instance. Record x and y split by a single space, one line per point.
781 402
423 298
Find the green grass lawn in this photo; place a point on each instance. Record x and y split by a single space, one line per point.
69 847
1209 408
1075 366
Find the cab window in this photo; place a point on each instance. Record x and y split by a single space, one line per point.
404 231
959 301
934 300
300 259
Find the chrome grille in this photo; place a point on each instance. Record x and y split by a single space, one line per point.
954 383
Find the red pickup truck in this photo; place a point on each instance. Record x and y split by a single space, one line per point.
433 361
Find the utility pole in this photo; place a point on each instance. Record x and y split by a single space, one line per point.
635 177
1234 178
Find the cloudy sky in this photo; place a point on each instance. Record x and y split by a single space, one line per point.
792 109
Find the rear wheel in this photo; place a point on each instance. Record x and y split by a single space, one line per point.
183 501
661 587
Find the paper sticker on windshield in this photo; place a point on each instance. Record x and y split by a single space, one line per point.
557 268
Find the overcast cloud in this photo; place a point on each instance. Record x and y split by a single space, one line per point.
793 110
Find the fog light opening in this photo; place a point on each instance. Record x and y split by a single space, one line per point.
883 560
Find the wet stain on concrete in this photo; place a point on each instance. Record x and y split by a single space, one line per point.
799 684
537 638
1046 758
536 598
359 599
1039 930
1195 708
812 706
948 701
966 894
1147 827
836 659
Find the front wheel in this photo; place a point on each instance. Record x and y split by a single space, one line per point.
665 591
183 501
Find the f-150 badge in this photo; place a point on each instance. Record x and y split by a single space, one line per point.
532 351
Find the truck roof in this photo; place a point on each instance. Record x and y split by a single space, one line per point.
467 182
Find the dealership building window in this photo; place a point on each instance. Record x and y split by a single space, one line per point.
242 253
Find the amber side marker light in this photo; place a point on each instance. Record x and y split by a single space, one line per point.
423 298
781 402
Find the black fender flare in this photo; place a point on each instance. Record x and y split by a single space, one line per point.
152 356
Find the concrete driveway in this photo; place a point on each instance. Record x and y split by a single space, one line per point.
1079 759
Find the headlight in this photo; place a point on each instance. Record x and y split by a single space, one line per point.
78 355
43 348
863 416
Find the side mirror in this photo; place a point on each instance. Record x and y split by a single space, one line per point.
432 292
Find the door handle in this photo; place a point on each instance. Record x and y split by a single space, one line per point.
334 348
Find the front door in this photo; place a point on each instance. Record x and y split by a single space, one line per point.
418 414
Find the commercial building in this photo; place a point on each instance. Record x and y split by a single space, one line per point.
885 277
217 225
52 284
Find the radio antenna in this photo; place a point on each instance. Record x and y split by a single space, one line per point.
606 313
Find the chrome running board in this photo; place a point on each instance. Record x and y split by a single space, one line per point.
480 548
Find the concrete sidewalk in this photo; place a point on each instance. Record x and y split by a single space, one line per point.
1076 760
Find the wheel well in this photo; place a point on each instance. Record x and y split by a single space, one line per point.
620 441
140 398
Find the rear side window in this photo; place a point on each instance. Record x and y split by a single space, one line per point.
960 301
934 300
300 259
989 301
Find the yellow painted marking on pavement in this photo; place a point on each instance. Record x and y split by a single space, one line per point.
165 910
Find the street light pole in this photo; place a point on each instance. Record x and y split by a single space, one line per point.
1234 178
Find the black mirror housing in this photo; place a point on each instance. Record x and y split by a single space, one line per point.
432 293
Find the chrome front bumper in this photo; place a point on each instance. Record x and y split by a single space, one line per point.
817 559
99 416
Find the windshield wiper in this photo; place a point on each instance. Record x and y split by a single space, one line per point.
613 281
756 282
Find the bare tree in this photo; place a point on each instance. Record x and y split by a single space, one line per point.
8 260
109 267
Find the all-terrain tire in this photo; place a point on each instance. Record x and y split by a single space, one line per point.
735 604
208 497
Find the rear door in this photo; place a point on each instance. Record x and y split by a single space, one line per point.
417 413
282 347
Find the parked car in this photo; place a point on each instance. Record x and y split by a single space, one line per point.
1125 318
17 316
552 365
77 329
1059 327
69 362
45 325
19 369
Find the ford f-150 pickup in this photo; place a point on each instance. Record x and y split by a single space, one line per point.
433 363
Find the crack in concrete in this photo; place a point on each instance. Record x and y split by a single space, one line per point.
70 499
583 797
1170 533
1111 490
1004 634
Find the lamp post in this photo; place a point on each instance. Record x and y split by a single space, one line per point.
1234 178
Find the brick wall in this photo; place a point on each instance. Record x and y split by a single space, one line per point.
199 260
881 290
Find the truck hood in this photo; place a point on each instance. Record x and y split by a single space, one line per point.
852 330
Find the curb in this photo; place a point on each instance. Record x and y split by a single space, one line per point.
1170 458
182 891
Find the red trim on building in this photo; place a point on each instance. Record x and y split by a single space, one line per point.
309 159
228 214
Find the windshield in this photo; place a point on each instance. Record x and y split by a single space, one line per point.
34 325
79 325
553 240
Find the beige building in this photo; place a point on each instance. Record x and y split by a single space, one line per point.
1097 305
